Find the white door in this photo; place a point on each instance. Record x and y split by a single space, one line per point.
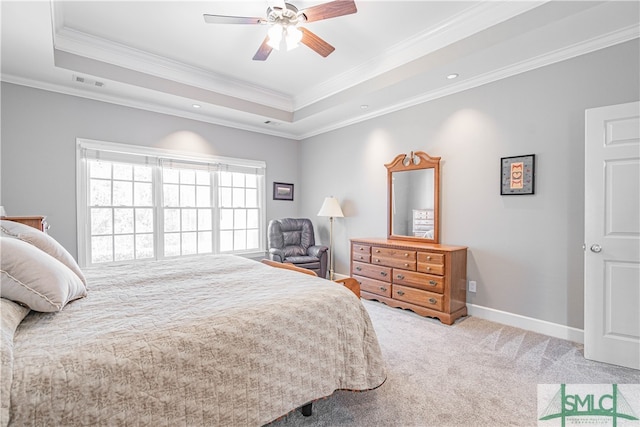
612 235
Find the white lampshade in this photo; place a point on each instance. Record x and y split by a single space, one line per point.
331 208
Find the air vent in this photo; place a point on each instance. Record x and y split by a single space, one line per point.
87 81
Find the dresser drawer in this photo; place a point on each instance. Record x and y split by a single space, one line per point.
431 263
374 286
394 262
361 249
372 271
418 280
399 254
357 256
418 297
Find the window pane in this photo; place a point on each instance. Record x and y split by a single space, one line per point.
144 246
101 249
225 179
187 195
226 241
99 169
122 221
252 181
253 239
203 177
122 171
238 179
123 247
189 244
204 219
226 219
172 220
171 176
142 173
189 221
170 194
238 197
203 196
172 244
225 197
99 192
187 176
142 194
101 221
239 240
253 216
204 242
240 218
122 193
144 220
252 198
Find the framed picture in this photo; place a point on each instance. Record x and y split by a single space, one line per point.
282 191
517 175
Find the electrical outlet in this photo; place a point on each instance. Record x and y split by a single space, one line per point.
472 285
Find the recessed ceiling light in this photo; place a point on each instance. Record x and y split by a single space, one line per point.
196 105
452 76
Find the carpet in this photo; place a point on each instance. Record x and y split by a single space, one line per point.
473 373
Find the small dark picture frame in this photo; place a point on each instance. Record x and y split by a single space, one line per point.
517 175
282 191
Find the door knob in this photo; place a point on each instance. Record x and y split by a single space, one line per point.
596 248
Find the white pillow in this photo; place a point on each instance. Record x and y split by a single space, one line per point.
33 278
42 241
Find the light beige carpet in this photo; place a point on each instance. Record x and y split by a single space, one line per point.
473 373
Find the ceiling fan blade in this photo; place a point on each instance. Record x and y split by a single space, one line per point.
222 19
263 51
316 43
332 9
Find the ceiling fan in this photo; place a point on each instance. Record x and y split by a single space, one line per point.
284 21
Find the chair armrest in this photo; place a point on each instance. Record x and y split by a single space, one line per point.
276 254
317 250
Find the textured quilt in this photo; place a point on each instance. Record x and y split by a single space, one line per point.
214 341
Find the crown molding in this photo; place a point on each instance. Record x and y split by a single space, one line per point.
100 49
559 55
464 24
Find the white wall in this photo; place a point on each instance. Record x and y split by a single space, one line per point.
39 131
525 252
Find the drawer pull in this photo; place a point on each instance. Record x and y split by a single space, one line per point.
432 300
400 293
428 268
377 259
383 273
377 251
361 248
359 268
400 276
406 255
429 258
433 283
383 289
406 265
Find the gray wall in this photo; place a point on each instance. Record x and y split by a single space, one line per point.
525 252
38 165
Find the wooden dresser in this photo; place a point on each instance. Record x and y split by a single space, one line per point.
429 279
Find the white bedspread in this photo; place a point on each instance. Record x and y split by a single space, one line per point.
219 340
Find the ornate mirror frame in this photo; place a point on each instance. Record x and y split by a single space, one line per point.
418 160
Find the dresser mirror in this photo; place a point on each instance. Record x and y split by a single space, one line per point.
414 197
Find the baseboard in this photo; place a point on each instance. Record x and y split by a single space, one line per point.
528 323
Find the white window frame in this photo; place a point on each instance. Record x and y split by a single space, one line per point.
153 156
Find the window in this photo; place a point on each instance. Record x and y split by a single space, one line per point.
137 203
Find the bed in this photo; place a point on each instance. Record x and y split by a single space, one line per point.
202 341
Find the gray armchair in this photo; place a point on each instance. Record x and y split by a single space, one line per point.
292 240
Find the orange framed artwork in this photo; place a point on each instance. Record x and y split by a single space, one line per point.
517 175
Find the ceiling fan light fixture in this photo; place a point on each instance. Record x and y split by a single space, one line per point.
293 37
275 36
